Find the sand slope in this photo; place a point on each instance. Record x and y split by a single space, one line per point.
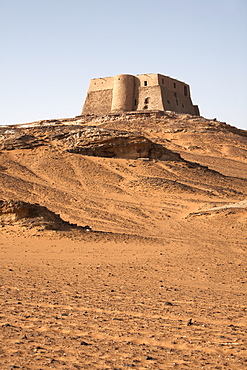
160 282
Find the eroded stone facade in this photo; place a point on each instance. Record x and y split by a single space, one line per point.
127 93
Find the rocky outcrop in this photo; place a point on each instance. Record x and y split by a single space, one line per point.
133 135
32 215
114 144
20 141
86 140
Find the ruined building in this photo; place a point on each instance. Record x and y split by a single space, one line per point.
147 92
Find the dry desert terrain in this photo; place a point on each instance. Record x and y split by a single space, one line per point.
123 244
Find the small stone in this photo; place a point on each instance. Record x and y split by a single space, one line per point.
189 322
83 343
168 304
150 358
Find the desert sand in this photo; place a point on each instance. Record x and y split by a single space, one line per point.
149 271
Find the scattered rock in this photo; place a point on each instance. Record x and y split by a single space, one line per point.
150 358
189 322
168 304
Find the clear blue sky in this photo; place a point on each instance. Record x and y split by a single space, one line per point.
50 49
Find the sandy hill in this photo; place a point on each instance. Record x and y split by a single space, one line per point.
131 225
124 175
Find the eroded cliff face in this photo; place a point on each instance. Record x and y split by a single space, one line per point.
24 214
88 140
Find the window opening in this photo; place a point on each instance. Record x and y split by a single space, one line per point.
185 90
182 105
135 102
146 101
174 85
168 101
177 101
145 107
145 83
163 81
175 94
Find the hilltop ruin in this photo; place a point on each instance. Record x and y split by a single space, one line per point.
146 92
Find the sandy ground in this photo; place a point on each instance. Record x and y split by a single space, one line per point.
160 282
105 301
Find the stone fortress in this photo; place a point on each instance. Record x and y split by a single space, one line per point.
140 93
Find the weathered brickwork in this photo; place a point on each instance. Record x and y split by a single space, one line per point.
98 102
126 93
